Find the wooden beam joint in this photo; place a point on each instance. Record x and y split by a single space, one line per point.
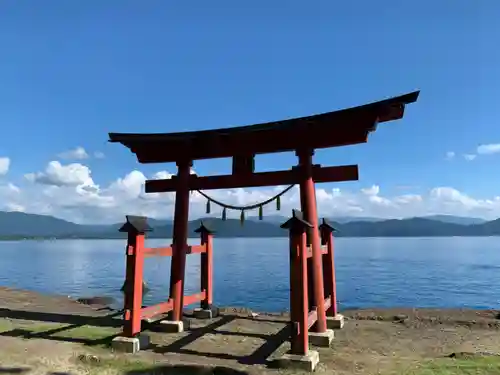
243 165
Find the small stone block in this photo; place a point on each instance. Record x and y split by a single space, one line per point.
200 313
171 326
306 362
321 339
335 322
130 344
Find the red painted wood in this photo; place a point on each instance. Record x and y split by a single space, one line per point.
158 309
193 298
250 144
196 249
180 234
304 297
312 317
130 250
206 270
309 200
133 276
158 251
167 251
328 303
310 269
324 250
329 274
294 292
299 305
320 175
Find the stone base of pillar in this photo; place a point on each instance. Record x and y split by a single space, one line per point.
335 322
306 362
200 313
170 326
321 339
131 344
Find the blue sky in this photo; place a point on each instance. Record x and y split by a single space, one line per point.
72 71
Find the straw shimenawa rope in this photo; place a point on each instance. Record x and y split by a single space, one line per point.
245 208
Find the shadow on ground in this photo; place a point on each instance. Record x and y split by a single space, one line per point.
14 370
187 370
270 342
25 370
73 321
109 320
259 357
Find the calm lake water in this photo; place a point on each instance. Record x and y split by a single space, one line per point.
371 272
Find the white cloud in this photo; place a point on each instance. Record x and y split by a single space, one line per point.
13 188
372 191
99 155
493 148
9 189
78 153
62 175
470 157
4 165
450 155
68 191
131 185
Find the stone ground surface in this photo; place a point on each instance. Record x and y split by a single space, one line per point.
56 335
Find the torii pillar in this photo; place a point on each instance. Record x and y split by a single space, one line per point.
179 240
320 334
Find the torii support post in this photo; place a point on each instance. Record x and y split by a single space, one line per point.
134 312
334 320
132 340
299 356
179 239
206 309
308 203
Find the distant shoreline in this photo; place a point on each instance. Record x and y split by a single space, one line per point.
17 226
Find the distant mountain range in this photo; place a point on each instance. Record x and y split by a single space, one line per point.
348 219
16 225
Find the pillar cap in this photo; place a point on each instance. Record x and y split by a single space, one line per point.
296 222
137 224
327 226
203 228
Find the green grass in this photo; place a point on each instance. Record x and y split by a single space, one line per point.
5 325
85 332
88 332
448 366
58 330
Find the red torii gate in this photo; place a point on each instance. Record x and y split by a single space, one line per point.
302 135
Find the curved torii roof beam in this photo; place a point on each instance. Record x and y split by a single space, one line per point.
332 129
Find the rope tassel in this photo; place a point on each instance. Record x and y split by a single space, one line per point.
261 213
208 206
278 203
242 217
